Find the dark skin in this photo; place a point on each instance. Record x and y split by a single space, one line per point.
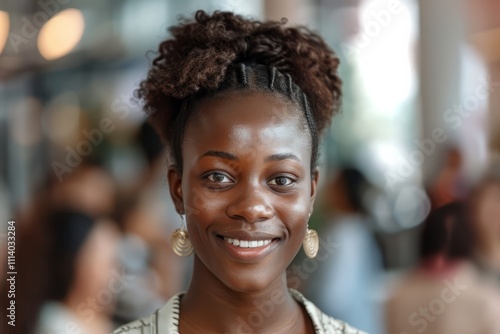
246 174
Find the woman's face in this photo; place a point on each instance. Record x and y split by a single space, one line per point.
246 187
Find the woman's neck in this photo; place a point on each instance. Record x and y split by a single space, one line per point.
212 306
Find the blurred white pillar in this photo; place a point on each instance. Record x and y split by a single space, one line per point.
441 33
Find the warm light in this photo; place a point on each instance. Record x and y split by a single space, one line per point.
60 35
4 29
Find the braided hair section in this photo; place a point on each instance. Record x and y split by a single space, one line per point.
223 51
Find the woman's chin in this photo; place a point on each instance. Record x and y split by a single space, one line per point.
247 284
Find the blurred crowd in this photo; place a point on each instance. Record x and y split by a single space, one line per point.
90 258
454 287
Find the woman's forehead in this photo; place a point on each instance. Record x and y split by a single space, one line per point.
243 121
249 107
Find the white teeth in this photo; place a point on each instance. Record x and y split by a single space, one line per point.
247 243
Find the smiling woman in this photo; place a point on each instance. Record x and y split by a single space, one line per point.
242 106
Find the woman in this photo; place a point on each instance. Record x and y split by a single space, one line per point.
81 293
351 296
444 293
486 217
242 105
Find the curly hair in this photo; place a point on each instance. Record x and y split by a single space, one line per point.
222 51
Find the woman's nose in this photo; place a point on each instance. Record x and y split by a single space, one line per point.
251 204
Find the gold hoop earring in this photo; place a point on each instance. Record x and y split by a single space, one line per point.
179 241
311 242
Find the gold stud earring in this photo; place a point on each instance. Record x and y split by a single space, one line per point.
179 241
311 242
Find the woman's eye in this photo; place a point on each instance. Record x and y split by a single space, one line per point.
218 178
282 181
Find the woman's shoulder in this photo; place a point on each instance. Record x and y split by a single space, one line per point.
136 327
323 323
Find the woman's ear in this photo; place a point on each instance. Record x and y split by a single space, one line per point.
175 186
314 187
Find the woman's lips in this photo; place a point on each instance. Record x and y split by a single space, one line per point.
248 250
248 243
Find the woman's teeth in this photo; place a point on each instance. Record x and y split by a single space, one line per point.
247 243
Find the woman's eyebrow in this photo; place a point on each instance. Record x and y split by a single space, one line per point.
219 154
282 156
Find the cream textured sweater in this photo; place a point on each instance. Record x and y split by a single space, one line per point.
166 319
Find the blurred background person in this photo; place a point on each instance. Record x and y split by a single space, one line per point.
449 184
80 291
88 190
148 220
348 279
485 207
443 294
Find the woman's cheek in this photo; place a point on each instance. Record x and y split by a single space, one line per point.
198 199
297 214
300 206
